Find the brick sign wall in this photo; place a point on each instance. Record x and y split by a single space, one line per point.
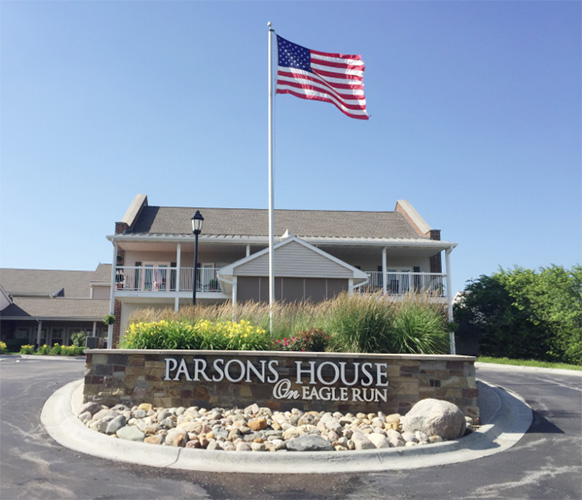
391 383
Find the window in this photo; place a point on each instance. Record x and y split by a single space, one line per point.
22 333
57 336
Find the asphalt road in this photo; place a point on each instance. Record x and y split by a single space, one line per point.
545 464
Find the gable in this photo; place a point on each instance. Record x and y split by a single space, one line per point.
294 258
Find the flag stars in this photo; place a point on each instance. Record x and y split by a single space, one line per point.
293 55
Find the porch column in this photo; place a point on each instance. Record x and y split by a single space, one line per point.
248 250
450 297
94 333
234 296
178 273
38 333
351 286
384 272
112 296
234 289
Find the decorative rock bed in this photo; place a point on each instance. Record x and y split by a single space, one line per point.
258 429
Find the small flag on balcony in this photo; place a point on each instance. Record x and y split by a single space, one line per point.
334 78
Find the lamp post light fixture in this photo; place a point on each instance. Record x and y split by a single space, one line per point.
197 221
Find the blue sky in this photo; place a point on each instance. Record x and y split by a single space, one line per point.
475 119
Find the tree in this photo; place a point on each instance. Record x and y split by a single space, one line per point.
521 313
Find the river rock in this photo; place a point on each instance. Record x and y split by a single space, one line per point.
409 437
176 437
309 443
92 408
214 445
85 417
291 433
243 446
140 413
131 433
333 424
252 409
115 424
194 427
155 439
255 428
379 440
362 441
257 424
394 438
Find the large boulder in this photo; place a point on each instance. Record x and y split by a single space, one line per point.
435 417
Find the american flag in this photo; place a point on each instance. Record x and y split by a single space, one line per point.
334 78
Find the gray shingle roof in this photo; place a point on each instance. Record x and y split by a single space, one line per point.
254 222
76 284
73 309
74 304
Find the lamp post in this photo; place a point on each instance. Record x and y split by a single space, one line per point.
197 220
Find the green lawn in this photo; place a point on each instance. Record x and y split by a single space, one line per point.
527 362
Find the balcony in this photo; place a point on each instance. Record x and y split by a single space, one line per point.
402 283
157 279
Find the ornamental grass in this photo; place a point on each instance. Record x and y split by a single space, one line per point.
348 323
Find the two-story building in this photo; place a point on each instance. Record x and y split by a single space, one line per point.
318 254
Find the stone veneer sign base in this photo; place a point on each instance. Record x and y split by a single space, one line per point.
279 380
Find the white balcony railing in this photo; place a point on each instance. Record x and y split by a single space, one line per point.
401 283
165 279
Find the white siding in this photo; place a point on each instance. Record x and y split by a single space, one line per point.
294 260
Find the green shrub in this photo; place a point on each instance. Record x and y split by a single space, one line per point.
109 319
71 350
43 349
287 344
312 340
26 349
288 318
3 348
78 339
525 314
203 334
55 350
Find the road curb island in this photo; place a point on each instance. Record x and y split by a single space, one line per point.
505 417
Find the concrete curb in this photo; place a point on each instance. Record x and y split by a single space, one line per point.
42 357
527 369
510 417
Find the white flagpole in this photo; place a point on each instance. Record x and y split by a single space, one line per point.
271 188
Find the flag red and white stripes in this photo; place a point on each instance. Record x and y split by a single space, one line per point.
322 76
